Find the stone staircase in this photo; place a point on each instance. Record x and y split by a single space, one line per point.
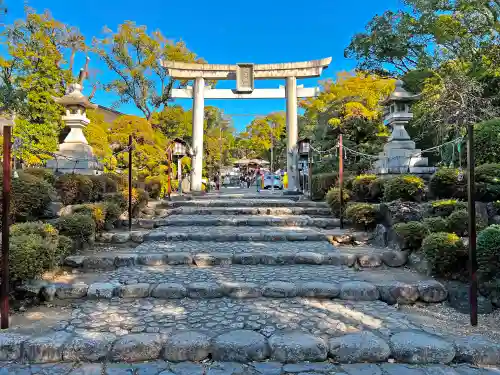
239 278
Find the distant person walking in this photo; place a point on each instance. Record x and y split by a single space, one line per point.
217 181
258 179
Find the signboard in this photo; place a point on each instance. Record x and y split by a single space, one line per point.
244 78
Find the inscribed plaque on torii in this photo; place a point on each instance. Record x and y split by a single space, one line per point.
244 78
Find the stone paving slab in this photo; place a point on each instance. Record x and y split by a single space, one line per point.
241 220
291 330
221 202
229 233
254 210
160 367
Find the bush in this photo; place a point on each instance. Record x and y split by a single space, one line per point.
113 212
97 211
487 139
30 197
34 249
488 253
444 183
118 199
361 187
65 246
363 215
488 182
458 222
74 188
488 173
436 224
377 189
42 173
140 200
446 207
119 181
411 234
79 227
332 198
445 253
408 188
322 183
157 186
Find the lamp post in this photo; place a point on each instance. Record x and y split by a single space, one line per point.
180 150
304 146
7 124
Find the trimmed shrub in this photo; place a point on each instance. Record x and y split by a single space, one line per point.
140 200
488 182
407 187
79 227
446 207
487 139
157 186
322 183
97 211
444 184
118 199
488 173
102 185
488 253
377 189
411 234
74 188
362 215
113 212
35 248
445 253
332 198
436 224
65 246
361 187
42 173
458 222
30 197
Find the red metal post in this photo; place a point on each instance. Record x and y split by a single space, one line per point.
471 189
4 295
130 143
341 181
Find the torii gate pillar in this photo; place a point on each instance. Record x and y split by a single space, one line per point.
245 74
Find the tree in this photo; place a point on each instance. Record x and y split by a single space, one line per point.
32 74
134 56
174 122
97 134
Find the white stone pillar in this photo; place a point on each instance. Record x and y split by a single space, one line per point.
198 116
292 132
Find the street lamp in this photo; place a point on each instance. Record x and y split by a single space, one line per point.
304 148
180 149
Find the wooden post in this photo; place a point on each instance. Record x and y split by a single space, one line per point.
4 295
130 143
169 171
309 170
341 181
472 226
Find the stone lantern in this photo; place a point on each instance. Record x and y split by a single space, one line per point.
400 155
75 155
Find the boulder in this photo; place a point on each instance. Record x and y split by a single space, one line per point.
242 290
204 289
359 347
478 350
169 291
10 346
240 346
45 349
417 261
101 290
121 237
400 211
66 210
306 257
379 236
295 346
186 346
279 289
137 347
398 292
369 260
318 289
99 262
394 258
495 220
53 209
458 298
358 291
418 347
140 290
482 213
88 347
71 291
431 291
74 261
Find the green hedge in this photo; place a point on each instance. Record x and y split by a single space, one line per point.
412 234
333 199
321 184
363 215
79 227
446 254
361 187
488 253
445 183
406 187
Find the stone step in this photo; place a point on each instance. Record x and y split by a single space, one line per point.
312 256
263 195
301 332
270 203
257 210
161 367
241 220
232 233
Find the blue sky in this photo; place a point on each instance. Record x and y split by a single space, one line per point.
228 32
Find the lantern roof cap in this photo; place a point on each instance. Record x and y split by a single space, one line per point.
400 94
74 96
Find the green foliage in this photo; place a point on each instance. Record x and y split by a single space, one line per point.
458 222
377 189
407 187
486 141
117 198
140 200
97 134
112 211
436 224
79 227
445 253
97 211
488 182
42 173
444 184
75 188
412 234
488 173
157 186
332 198
30 197
35 247
361 187
363 215
446 207
65 246
322 183
488 253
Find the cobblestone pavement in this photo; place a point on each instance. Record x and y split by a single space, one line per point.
230 368
222 202
260 210
245 273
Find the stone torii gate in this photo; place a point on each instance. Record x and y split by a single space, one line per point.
245 74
